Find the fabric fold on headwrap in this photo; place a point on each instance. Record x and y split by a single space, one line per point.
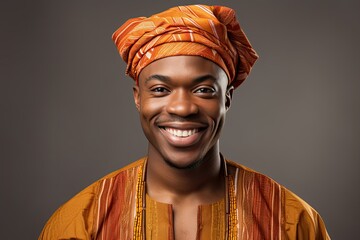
211 32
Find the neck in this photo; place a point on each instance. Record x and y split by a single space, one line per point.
204 181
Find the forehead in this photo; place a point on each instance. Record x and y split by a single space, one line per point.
183 67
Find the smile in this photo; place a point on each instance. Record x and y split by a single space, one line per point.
181 133
183 136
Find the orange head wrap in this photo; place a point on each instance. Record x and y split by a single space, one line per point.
211 32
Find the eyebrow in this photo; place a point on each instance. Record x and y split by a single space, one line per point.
167 79
161 78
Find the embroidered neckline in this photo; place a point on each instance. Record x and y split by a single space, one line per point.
230 205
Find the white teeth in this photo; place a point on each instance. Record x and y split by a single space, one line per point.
181 133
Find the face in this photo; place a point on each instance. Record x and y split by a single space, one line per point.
182 103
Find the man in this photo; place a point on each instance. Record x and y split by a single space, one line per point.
186 63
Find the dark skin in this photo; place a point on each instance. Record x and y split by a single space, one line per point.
182 103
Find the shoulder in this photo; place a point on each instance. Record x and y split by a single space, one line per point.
297 218
248 177
302 220
76 216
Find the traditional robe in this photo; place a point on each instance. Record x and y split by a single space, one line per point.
107 210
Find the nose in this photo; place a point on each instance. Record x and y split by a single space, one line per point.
182 104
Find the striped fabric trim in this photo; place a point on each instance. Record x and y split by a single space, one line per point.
259 205
258 201
116 206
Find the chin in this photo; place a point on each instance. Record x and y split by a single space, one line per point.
183 162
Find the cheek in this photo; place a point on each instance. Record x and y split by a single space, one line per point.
149 108
215 110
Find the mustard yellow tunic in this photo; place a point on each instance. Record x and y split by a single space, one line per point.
106 210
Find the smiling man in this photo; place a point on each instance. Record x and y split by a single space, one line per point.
186 63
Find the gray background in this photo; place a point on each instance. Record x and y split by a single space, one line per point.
68 118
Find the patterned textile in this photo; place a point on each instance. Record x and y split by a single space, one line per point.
106 211
199 30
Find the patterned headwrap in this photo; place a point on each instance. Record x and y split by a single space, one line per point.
198 30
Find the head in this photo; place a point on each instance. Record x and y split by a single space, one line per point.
182 103
186 62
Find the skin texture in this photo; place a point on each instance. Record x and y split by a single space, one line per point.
190 94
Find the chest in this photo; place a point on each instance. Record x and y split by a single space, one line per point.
163 221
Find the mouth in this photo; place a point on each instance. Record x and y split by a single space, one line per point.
183 136
181 133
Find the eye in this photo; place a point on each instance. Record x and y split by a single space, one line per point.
159 91
205 90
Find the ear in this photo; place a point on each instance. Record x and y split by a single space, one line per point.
228 95
136 93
